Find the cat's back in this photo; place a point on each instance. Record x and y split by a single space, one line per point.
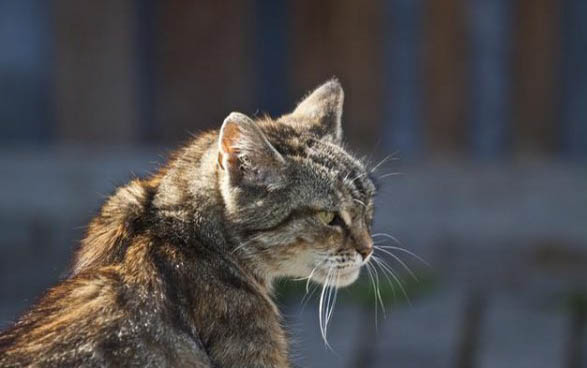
97 319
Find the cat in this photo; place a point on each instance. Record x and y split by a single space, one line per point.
177 269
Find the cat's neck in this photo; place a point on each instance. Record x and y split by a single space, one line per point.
191 209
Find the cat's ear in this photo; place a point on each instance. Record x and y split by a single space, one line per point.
246 155
320 112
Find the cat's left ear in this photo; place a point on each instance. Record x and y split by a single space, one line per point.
320 113
246 155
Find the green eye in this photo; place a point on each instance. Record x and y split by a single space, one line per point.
325 217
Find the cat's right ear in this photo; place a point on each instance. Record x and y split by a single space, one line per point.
320 113
246 155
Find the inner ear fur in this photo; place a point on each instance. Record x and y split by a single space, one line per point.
245 153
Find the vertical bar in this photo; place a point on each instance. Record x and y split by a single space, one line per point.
467 355
575 354
445 71
341 38
271 58
402 89
94 71
204 56
574 96
536 75
146 69
25 71
489 33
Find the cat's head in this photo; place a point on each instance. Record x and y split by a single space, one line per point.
301 204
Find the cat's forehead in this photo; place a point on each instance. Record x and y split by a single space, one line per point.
340 176
325 170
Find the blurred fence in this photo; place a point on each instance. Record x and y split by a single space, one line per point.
477 78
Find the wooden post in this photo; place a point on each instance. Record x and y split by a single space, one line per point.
471 330
25 72
271 61
95 89
402 72
445 71
575 354
536 65
489 28
341 38
204 52
574 96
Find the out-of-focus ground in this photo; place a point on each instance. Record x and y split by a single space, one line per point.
505 246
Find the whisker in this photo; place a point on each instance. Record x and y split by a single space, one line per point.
379 291
307 296
396 240
397 279
309 277
327 309
405 266
374 293
346 176
377 260
321 306
387 236
360 202
390 174
322 311
358 177
242 245
385 159
334 291
406 251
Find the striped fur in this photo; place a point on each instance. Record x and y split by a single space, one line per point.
176 269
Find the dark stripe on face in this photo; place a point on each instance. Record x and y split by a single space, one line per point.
295 214
330 157
345 167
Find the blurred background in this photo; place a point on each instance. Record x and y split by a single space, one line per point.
481 103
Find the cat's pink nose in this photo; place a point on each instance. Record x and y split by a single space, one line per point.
365 252
364 244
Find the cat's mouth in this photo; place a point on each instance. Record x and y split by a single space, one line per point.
337 276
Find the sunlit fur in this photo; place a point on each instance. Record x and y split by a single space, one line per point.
317 175
177 269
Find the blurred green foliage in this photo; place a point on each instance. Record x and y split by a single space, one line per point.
362 292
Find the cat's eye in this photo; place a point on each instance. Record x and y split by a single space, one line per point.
326 217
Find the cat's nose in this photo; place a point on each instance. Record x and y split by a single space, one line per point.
365 252
364 243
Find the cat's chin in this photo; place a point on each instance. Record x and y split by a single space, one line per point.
344 277
348 277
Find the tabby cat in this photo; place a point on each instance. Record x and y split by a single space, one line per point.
177 269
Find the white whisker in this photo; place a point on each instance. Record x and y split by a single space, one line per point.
358 177
374 293
404 265
391 174
389 269
330 306
322 309
378 260
242 245
360 202
406 251
389 236
385 159
379 291
307 296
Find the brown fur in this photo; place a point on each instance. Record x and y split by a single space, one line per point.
176 269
